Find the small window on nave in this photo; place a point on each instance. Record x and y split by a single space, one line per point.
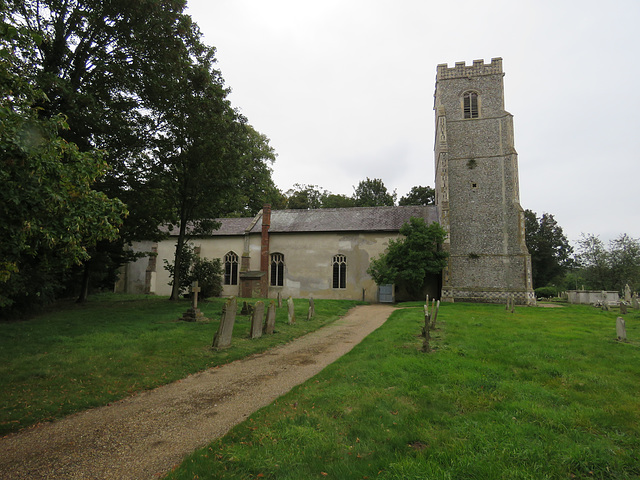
339 271
277 269
231 269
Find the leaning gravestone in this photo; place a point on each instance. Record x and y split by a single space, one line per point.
193 314
222 338
256 320
270 321
627 293
279 300
621 330
291 310
605 304
623 308
312 309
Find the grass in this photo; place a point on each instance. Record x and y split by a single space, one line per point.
543 393
81 356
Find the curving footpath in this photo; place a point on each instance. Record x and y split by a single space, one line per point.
145 436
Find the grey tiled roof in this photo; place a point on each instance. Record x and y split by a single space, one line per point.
360 219
363 219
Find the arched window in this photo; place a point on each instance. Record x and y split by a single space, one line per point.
231 269
339 271
470 105
277 269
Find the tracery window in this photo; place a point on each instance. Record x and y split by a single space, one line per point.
231 269
340 271
470 105
277 269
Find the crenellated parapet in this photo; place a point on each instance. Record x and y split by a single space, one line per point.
478 68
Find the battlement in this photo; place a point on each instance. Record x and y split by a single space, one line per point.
461 70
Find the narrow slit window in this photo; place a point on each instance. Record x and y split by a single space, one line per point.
470 105
339 271
231 269
277 269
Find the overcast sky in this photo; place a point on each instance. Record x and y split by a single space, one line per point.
344 91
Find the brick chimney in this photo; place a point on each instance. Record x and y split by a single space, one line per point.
264 250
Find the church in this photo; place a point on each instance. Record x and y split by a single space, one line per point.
325 253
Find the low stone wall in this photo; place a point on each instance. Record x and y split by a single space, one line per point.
591 297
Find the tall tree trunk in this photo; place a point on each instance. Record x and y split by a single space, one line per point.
84 286
178 260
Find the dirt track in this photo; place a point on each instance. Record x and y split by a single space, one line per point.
144 436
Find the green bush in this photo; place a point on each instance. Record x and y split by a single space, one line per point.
208 273
546 292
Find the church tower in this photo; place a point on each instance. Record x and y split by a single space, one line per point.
477 194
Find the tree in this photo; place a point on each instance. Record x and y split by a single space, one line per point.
549 248
410 260
593 258
624 257
332 200
373 193
208 273
51 216
305 197
419 196
118 72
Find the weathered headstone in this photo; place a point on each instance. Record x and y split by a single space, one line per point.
245 309
279 300
508 304
605 303
434 315
193 314
222 339
312 309
256 320
291 311
426 345
635 302
623 308
270 321
621 329
627 293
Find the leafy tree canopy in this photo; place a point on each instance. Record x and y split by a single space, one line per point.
419 195
410 259
549 248
51 215
373 193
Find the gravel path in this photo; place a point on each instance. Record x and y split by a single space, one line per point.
144 436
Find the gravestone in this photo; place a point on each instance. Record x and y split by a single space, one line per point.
256 320
621 329
193 314
270 321
426 345
222 339
434 315
291 311
245 309
605 304
623 308
627 293
279 300
635 302
507 304
312 309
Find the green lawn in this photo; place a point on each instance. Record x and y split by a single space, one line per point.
543 393
81 356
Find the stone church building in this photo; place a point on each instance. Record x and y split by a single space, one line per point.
326 252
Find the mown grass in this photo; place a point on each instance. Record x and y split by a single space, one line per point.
81 356
543 393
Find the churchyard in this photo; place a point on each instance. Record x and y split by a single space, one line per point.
518 392
530 394
81 356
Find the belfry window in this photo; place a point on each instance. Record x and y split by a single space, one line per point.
470 105
339 271
231 269
277 269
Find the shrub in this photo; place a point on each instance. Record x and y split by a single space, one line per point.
208 273
546 292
